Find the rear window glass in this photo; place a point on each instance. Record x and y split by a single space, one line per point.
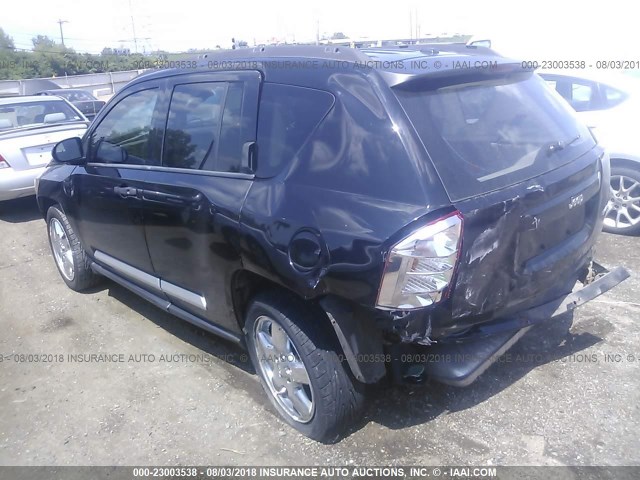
490 134
287 117
36 113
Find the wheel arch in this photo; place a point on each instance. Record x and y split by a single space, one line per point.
631 166
626 161
353 334
245 285
45 203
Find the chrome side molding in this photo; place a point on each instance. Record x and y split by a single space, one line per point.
183 294
127 270
137 275
168 306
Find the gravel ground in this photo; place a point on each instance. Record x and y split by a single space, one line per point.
567 394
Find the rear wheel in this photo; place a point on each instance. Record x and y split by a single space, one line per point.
68 253
299 367
622 214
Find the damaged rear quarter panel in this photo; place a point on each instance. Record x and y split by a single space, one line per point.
355 184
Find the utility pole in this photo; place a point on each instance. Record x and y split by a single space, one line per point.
133 28
60 22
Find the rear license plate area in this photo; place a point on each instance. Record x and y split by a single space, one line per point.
39 155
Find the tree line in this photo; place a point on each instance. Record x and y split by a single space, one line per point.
51 59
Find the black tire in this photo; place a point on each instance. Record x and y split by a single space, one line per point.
338 398
83 277
630 175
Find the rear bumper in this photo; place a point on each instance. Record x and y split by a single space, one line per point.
18 183
461 360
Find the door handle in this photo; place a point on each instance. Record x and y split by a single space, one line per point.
126 191
193 200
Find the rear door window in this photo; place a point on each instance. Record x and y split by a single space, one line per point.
209 125
236 127
612 96
493 133
35 113
582 95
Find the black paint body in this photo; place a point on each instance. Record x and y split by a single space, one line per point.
361 182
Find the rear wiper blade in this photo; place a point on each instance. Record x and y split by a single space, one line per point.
561 145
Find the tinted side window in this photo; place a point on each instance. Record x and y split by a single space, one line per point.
287 117
193 126
234 131
124 135
581 95
207 127
612 96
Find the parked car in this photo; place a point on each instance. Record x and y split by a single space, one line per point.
81 99
370 216
29 128
609 103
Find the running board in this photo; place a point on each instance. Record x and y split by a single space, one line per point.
166 305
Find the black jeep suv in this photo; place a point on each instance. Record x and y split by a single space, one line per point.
346 215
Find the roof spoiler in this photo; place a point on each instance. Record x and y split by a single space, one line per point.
457 71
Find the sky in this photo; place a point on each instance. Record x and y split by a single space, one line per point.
543 29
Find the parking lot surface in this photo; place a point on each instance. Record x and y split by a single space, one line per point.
104 378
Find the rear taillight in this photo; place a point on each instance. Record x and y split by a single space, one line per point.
419 269
4 163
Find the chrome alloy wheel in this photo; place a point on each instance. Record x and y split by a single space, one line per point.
623 209
61 249
283 370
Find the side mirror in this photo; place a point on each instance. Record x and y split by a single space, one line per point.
68 150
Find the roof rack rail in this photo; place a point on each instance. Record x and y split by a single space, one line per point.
454 47
326 52
435 48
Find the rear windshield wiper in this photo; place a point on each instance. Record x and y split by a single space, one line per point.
561 145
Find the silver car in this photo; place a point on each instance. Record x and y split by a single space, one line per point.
29 128
609 104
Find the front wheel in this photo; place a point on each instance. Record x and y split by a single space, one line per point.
299 367
68 253
622 214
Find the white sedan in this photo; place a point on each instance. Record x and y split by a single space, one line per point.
609 103
30 126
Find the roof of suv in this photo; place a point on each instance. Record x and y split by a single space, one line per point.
423 59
